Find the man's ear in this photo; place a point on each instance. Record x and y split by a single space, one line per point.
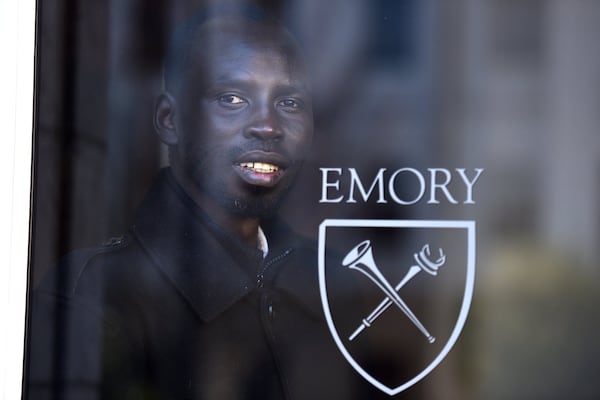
164 119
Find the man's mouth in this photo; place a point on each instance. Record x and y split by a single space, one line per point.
260 167
259 173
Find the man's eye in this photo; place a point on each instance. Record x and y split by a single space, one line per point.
290 103
231 99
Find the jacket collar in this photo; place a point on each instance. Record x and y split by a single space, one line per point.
208 266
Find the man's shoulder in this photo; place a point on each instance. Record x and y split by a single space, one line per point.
84 271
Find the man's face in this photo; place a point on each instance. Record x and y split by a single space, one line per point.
244 124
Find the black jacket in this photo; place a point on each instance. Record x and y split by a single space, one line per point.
178 309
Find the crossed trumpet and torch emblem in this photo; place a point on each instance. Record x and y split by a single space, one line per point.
361 259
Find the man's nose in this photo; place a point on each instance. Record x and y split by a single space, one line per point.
265 124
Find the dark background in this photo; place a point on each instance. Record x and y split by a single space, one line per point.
506 85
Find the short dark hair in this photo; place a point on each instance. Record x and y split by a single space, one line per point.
185 38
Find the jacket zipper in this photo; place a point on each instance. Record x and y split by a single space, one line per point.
260 277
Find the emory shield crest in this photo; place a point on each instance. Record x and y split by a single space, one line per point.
396 293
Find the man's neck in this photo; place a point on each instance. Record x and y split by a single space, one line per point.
244 228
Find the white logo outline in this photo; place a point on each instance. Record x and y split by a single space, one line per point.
469 225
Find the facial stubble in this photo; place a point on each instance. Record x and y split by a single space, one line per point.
245 200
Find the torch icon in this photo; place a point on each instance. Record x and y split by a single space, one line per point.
361 259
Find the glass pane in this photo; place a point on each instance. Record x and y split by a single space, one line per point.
305 199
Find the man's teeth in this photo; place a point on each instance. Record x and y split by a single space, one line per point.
260 167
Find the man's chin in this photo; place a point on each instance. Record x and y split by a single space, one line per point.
263 207
259 202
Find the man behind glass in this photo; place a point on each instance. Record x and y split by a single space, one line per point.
208 296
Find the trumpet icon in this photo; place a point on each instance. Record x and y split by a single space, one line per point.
360 258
